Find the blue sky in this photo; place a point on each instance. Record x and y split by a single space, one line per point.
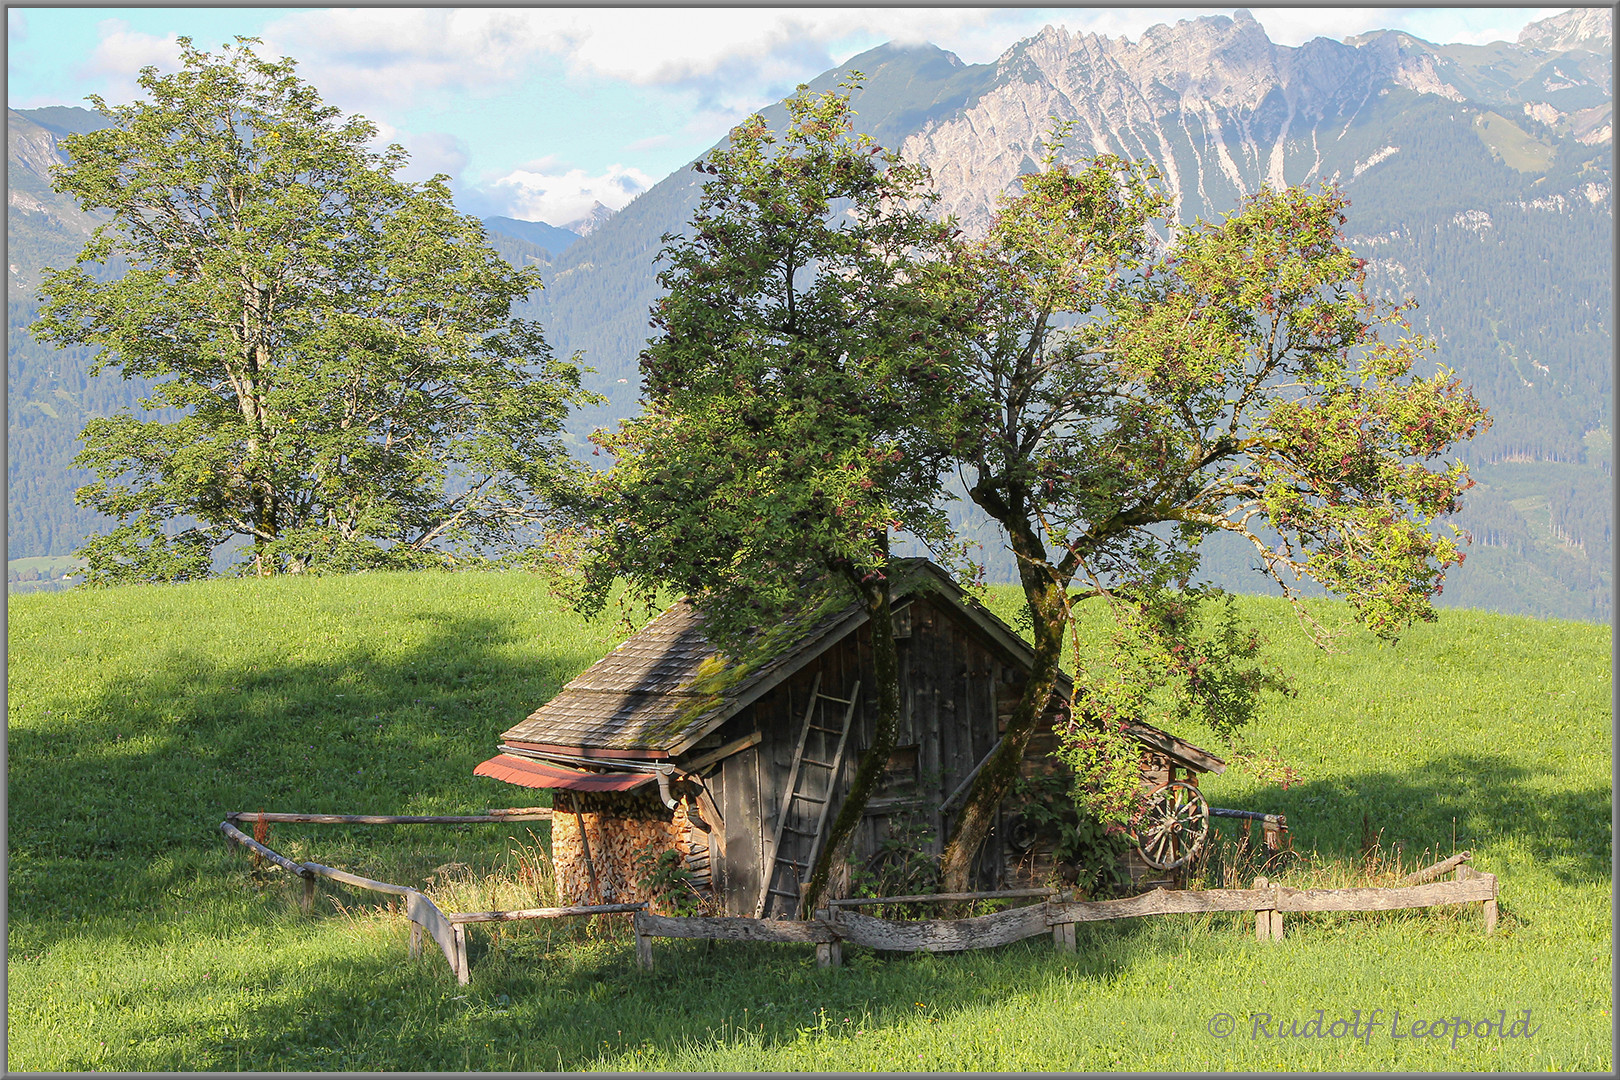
536 113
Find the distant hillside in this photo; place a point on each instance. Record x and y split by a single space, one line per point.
553 240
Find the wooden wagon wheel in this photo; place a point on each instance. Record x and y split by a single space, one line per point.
1171 826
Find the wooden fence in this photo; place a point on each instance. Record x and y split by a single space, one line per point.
836 923
447 929
1059 915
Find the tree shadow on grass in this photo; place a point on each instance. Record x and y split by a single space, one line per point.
1484 801
147 768
588 1006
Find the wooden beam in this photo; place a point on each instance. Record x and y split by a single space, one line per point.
828 953
732 928
968 779
735 746
709 814
1159 902
1443 892
946 897
585 846
359 882
541 913
942 935
644 957
536 812
426 916
1429 873
459 935
236 835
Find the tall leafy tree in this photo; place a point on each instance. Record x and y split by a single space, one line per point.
351 385
794 401
1129 397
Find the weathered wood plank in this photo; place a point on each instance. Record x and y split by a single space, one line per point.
1442 892
828 953
359 882
1263 914
537 813
1159 902
425 914
541 913
644 958
709 814
728 928
942 935
459 962
1429 873
1005 894
735 746
238 836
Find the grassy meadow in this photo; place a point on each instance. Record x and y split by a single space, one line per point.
136 941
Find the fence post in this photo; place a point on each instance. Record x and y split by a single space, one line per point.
1062 933
644 959
1263 916
416 939
831 953
459 932
309 892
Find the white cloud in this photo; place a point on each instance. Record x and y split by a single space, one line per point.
1468 26
539 193
434 152
120 55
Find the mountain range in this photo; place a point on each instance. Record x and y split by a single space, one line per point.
1480 180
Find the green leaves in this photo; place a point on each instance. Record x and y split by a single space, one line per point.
357 390
797 396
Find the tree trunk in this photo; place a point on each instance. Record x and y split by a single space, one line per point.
1044 589
886 663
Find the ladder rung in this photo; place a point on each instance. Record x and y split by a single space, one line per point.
807 798
828 730
823 764
794 829
835 700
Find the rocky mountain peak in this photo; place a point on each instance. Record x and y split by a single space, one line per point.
592 220
1578 28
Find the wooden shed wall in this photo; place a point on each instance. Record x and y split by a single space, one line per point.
953 687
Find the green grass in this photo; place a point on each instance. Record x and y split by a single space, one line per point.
1513 145
137 717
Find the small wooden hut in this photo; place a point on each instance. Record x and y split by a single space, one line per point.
661 746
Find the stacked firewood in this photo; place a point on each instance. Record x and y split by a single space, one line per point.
617 833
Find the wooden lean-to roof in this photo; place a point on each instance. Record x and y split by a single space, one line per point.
666 687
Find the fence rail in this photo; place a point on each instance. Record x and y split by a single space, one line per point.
447 929
522 813
835 924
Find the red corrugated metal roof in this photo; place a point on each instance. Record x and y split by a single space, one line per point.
541 774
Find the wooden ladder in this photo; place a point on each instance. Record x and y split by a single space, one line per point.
803 816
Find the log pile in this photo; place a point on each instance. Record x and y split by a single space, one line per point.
618 828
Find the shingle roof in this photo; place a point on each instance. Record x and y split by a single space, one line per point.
665 687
